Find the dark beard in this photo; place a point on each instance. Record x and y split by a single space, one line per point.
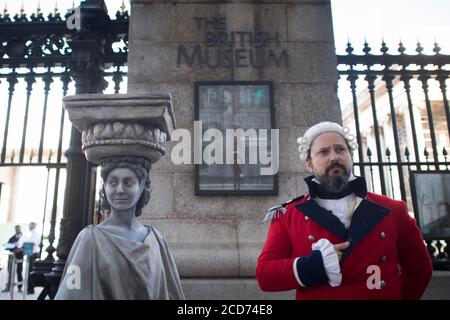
337 183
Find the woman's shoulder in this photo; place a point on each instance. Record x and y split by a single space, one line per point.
89 228
154 230
87 231
156 233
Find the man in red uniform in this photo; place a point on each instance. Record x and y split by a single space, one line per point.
340 241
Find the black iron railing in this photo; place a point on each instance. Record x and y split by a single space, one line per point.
42 59
398 133
35 52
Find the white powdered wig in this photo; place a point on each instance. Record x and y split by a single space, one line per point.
314 131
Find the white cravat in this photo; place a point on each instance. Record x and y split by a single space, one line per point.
342 208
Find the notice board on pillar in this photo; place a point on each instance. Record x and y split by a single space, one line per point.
235 143
430 193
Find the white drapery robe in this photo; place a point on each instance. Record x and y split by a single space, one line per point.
111 267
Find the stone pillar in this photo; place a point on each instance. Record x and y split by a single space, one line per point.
216 239
87 70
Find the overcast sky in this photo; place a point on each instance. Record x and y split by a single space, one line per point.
410 19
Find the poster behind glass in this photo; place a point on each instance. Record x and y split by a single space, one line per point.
431 199
236 105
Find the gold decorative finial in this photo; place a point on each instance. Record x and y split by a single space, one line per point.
73 4
22 10
38 9
5 9
122 7
55 10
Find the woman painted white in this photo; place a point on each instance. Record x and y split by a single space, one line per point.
121 258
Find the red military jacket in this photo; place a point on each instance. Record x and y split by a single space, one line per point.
381 234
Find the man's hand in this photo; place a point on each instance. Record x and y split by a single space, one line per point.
341 247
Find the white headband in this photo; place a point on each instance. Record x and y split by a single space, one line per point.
314 131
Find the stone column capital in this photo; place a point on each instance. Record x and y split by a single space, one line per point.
122 124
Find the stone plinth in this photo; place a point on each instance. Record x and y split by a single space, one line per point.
216 239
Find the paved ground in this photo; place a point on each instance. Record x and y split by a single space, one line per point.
20 296
3 281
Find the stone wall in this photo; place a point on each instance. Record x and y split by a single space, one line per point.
217 239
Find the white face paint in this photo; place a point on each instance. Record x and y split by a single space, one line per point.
122 188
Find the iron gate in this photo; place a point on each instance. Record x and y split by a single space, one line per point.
400 114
